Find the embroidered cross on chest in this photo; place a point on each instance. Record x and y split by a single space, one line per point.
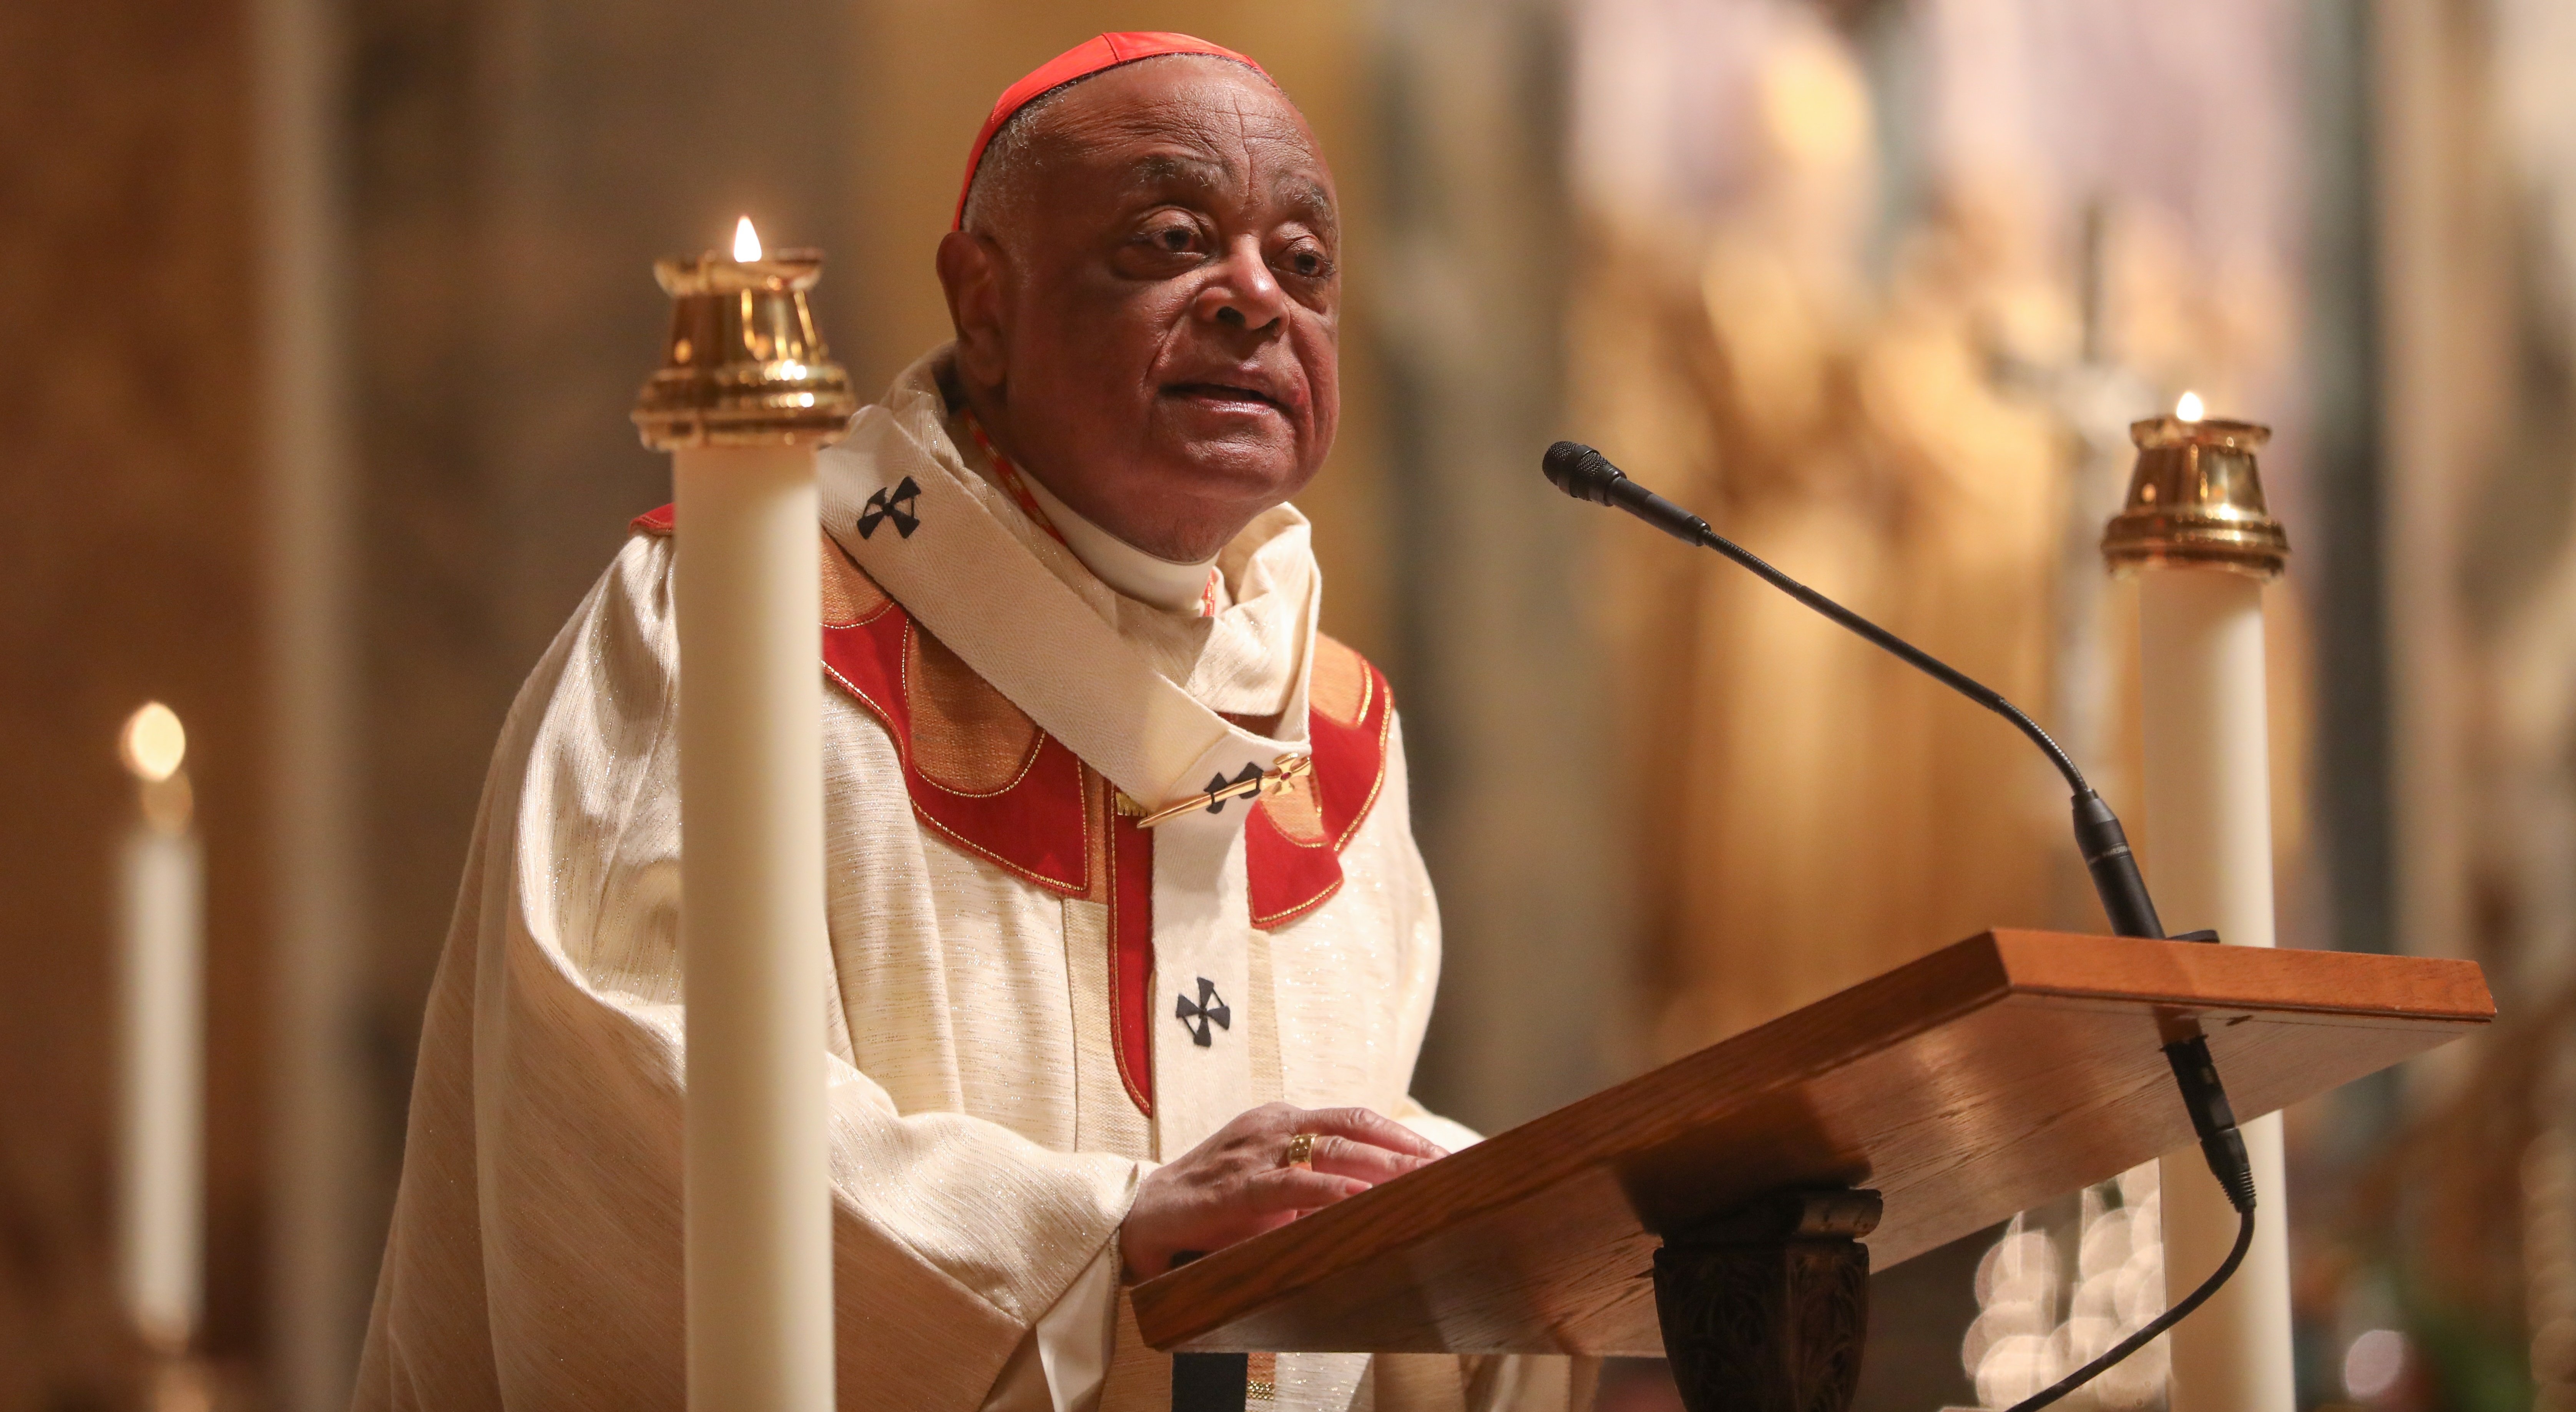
1209 1008
897 504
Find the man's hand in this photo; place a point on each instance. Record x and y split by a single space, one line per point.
1238 1183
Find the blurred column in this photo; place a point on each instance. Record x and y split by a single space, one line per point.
320 1260
2344 465
2549 1228
1499 684
2444 381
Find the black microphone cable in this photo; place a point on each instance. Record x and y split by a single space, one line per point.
1586 474
2224 1147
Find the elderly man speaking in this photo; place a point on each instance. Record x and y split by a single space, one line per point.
1075 1037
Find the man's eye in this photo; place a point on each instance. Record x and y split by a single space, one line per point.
1176 239
1308 262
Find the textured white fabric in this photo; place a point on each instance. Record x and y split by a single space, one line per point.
1060 1366
534 1256
1074 1338
1246 659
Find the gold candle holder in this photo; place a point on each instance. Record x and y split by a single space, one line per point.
2196 498
744 365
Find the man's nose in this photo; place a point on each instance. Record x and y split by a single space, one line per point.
1243 293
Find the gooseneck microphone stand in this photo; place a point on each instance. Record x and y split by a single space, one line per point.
1586 474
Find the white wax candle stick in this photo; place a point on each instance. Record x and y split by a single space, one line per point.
758 1210
2209 859
160 985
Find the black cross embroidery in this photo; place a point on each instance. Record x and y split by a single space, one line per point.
1217 782
1195 1016
895 504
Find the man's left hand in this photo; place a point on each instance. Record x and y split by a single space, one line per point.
1240 1183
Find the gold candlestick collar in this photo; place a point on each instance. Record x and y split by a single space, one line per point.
2196 498
744 365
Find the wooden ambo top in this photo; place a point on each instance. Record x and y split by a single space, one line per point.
1981 1080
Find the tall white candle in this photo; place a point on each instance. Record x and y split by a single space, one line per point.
161 1027
745 588
745 395
2209 859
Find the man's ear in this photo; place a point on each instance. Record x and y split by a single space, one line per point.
970 271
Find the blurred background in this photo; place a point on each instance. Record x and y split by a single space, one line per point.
319 320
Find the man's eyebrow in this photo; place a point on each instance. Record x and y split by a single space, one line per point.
1173 169
1307 197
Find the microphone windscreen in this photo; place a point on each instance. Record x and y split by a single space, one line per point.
1580 471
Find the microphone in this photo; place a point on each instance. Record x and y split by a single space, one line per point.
1586 474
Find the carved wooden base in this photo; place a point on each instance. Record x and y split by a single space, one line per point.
1767 1309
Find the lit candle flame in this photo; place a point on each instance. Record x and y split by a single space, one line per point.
153 743
2188 409
746 241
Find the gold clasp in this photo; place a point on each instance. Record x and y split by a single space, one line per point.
1266 782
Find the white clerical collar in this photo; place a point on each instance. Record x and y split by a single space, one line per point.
1189 589
1147 578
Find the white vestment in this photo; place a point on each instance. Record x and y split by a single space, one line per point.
990 1118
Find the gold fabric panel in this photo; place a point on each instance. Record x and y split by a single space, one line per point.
1098 806
849 595
1341 683
966 736
1298 810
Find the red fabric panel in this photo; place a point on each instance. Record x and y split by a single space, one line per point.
1131 972
1288 879
1350 761
654 522
1101 51
1034 828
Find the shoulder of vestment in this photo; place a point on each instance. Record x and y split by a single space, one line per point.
983 775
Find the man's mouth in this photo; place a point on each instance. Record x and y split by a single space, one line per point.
1226 395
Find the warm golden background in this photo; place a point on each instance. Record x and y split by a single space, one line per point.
319 320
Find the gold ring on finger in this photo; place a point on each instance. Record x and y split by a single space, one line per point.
1301 1151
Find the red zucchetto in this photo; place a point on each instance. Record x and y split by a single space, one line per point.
1091 56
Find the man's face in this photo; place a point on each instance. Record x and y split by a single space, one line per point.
1150 324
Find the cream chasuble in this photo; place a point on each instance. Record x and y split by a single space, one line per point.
1030 999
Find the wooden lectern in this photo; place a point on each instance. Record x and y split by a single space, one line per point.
1725 1209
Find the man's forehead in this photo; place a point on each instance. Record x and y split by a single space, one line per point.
1196 119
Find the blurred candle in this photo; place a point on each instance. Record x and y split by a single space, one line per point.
744 398
2202 543
161 1027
